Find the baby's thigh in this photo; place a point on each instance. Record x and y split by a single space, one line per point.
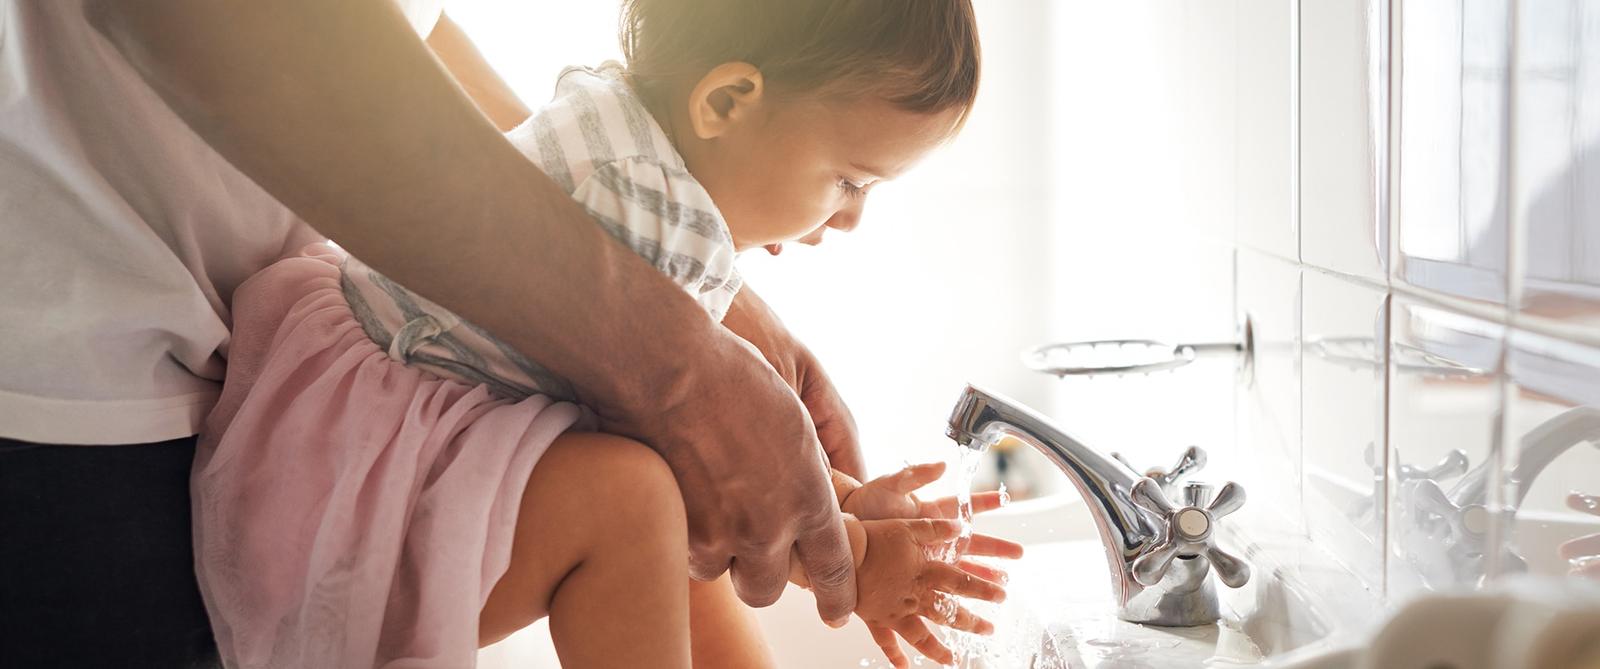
592 494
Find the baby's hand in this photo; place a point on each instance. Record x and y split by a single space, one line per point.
891 496
899 585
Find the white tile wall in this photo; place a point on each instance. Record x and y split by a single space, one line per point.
1556 194
1452 218
1343 408
1397 414
1264 186
1444 397
1341 120
1268 401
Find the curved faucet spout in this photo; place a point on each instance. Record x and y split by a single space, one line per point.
1127 531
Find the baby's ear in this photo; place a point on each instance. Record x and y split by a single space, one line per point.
727 95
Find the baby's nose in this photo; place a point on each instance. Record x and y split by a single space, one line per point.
846 220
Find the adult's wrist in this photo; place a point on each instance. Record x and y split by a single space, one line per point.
752 320
675 373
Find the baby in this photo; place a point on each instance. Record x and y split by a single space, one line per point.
383 483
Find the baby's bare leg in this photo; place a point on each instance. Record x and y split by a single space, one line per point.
602 548
722 629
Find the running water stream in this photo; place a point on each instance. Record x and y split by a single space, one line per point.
973 651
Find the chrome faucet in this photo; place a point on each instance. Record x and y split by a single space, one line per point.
1159 552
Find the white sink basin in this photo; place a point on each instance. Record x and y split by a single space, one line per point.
1059 614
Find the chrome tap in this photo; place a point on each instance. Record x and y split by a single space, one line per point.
1159 552
1192 460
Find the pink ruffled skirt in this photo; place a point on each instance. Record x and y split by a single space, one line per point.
350 511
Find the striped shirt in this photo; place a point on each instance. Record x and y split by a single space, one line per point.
598 142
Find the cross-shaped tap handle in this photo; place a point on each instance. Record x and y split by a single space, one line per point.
1453 464
1465 526
1192 460
1188 532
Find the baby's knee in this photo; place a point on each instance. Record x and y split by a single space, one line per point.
622 473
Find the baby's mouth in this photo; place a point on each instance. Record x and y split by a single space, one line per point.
774 249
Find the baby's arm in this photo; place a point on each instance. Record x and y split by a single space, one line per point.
858 552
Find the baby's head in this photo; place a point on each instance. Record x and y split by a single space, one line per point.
790 111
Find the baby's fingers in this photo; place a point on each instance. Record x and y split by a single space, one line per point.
949 578
989 546
908 480
1580 547
916 633
933 531
948 507
989 501
985 572
946 611
890 646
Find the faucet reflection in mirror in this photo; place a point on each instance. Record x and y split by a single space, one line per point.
1449 542
1159 551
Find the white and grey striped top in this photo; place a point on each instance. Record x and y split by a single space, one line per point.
597 140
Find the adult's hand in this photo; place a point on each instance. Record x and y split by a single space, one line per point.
341 113
755 482
752 319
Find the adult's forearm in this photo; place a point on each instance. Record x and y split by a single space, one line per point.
751 319
340 111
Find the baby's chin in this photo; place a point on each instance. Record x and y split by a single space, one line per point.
774 248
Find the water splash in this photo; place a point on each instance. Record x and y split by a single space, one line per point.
1007 649
961 644
965 470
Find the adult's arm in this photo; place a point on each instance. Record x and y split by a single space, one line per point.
751 318
341 112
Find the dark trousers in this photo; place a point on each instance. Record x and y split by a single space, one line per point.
96 558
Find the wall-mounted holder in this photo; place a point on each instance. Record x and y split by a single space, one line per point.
1120 357
1361 353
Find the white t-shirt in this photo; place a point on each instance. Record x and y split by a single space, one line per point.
122 238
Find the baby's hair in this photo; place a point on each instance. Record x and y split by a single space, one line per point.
921 55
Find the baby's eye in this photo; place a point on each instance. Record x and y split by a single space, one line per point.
851 188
